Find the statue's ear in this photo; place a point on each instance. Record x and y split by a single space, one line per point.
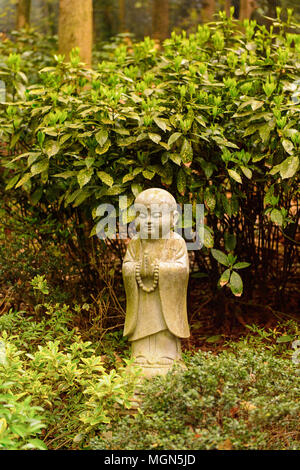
137 224
175 217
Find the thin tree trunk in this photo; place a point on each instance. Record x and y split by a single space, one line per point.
227 7
208 10
23 13
75 28
50 12
246 9
50 9
160 19
122 11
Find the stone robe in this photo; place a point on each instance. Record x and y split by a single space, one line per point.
164 309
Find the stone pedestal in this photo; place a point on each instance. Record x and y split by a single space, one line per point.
150 353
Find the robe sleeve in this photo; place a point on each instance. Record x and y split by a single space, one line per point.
173 281
131 289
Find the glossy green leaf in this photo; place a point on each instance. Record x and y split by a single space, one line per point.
154 137
288 146
105 177
173 138
289 167
101 137
40 167
181 181
220 256
84 176
236 284
276 217
241 265
235 175
186 153
100 150
285 339
208 241
224 279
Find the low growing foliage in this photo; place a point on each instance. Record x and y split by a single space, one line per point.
52 379
243 398
20 422
56 392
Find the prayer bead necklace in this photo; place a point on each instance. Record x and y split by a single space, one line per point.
139 279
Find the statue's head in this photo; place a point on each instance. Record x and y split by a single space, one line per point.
156 213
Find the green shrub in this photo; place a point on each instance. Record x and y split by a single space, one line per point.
20 422
56 390
278 339
29 48
242 398
59 384
28 331
213 118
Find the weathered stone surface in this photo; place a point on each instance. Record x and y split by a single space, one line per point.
155 273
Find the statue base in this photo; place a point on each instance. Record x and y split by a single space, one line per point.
154 369
156 354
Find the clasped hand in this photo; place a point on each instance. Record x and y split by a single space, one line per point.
147 267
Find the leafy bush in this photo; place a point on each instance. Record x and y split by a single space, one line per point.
56 390
48 374
19 424
29 48
243 398
213 118
28 331
278 339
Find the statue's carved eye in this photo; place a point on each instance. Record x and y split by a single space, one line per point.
156 215
142 215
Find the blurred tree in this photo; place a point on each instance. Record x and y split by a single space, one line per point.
246 9
185 14
51 10
208 10
44 16
139 16
160 19
106 19
227 5
236 5
122 18
266 9
23 13
7 16
75 28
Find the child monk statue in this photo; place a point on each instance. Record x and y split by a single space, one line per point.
155 273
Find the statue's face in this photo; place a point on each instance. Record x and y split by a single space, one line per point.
155 221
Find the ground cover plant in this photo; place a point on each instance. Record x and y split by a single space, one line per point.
52 380
254 397
58 393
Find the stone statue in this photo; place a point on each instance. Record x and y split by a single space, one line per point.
155 273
